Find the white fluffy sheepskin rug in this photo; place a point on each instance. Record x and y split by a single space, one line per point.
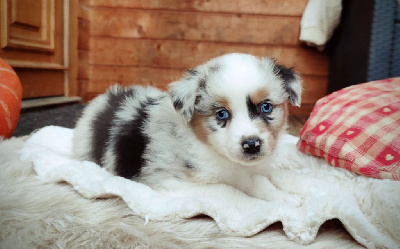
40 214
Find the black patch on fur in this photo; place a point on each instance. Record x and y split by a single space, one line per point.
192 71
288 77
201 106
189 165
252 108
214 68
178 104
188 113
103 121
202 83
202 112
132 142
202 109
222 123
287 74
254 111
292 95
198 99
266 118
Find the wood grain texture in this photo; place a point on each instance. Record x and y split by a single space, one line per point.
83 91
265 7
41 83
184 54
84 11
103 76
72 85
86 3
304 109
83 64
196 26
314 88
83 35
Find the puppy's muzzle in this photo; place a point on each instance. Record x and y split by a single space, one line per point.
251 146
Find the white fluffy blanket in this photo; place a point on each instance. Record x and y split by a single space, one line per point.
369 209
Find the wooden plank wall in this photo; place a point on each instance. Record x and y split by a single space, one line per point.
151 42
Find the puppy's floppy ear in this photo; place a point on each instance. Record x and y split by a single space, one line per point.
291 82
184 92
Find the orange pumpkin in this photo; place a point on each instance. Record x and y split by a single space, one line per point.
10 99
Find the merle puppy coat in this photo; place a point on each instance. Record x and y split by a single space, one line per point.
219 124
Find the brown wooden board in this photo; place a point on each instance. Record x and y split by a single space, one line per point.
41 83
266 7
83 34
195 26
103 76
184 54
71 88
83 64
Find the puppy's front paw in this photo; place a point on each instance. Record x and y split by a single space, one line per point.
263 189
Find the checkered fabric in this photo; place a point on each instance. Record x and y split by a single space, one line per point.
357 128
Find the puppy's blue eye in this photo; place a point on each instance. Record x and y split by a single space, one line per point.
222 115
266 107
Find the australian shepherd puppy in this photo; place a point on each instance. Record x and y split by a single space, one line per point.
219 124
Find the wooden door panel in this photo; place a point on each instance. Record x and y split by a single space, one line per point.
36 37
29 16
41 83
26 44
28 24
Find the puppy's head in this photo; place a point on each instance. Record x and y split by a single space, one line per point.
237 104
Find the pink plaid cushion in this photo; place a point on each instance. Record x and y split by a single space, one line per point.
358 128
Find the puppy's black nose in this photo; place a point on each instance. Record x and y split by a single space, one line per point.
252 146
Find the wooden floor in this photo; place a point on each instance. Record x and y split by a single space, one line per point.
296 122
